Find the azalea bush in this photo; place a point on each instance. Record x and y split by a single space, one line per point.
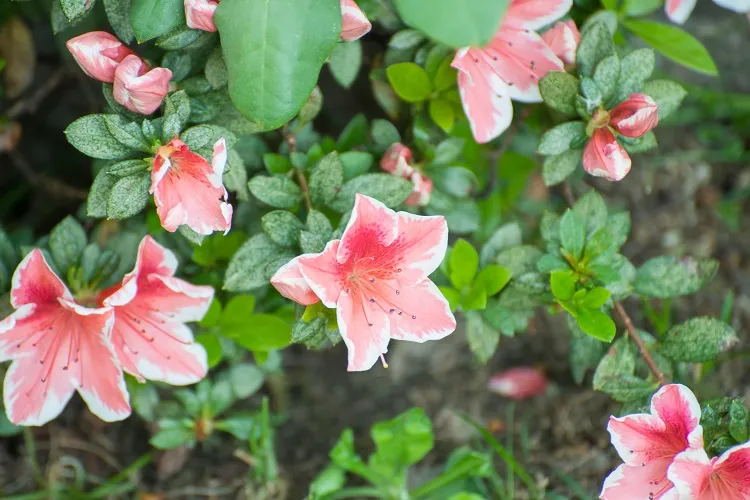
237 215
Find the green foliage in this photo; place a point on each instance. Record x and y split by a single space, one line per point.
595 46
698 340
666 276
410 81
254 263
559 91
279 192
153 18
91 136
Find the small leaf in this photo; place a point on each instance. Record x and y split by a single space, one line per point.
279 192
606 76
596 45
738 421
73 9
559 91
127 133
666 276
595 298
557 168
410 81
345 61
464 262
96 203
129 196
326 179
66 243
698 340
282 227
276 164
572 234
172 434
263 332
635 69
591 210
563 284
153 18
390 190
483 339
667 94
597 324
216 70
441 112
118 15
355 163
254 263
557 139
176 115
90 135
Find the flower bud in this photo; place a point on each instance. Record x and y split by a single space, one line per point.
563 38
420 196
98 53
199 14
518 383
605 157
354 22
635 116
139 89
397 161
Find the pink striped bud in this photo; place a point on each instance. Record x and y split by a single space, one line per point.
422 190
98 53
139 89
563 38
397 161
635 116
605 157
518 383
354 22
199 14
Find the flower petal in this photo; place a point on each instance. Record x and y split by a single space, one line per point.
354 22
605 157
637 438
98 53
519 383
677 407
638 482
218 162
678 11
364 328
484 95
323 273
690 473
635 116
563 39
34 282
199 14
139 89
534 14
26 401
370 225
735 5
418 314
733 468
290 283
419 249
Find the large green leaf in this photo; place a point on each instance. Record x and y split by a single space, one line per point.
274 50
457 23
676 44
152 18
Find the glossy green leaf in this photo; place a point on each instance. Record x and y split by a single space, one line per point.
409 81
464 262
153 18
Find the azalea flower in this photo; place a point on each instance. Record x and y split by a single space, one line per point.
422 192
397 161
58 347
649 442
563 38
199 14
508 67
697 477
376 277
188 190
98 53
604 156
518 383
354 22
678 11
151 306
139 88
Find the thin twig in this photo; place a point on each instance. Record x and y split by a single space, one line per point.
633 333
48 184
29 105
292 142
508 137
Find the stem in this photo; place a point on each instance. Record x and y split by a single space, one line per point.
356 492
639 342
28 439
292 142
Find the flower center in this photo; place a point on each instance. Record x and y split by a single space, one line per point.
599 120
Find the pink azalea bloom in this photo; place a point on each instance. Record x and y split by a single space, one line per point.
139 89
678 11
697 477
151 308
57 347
420 197
200 14
188 190
354 22
508 67
98 53
563 38
290 283
635 116
605 157
649 442
397 161
376 277
518 383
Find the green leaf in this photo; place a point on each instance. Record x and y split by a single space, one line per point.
212 345
176 114
635 69
441 112
614 375
129 196
254 263
591 210
607 75
455 23
66 243
172 434
282 227
96 203
74 9
483 338
644 143
345 62
409 81
667 94
572 234
319 224
326 179
216 70
118 15
585 351
666 276
261 332
738 421
390 190
475 299
276 164
464 262
127 133
402 441
384 133
311 243
279 192
455 181
698 340
90 135
180 38
563 284
271 72
519 259
354 134
596 45
330 480
638 8
557 139
557 168
673 42
595 298
597 324
507 235
355 163
246 379
152 18
559 91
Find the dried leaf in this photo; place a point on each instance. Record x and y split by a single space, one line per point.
17 48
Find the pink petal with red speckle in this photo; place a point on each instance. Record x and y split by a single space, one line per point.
290 283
